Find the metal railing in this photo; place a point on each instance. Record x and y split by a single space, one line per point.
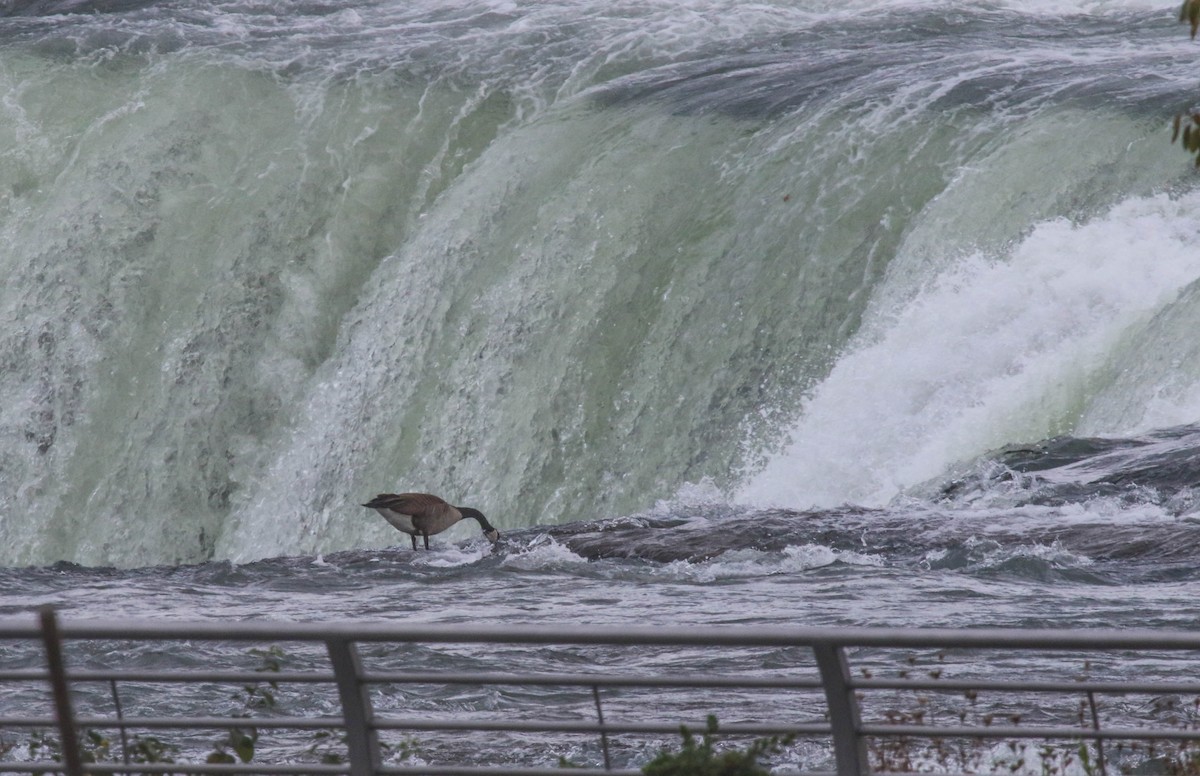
858 693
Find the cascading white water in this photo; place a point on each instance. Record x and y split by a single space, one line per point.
996 349
554 261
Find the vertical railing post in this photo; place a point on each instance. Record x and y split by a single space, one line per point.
72 760
362 742
849 748
112 683
1091 696
603 731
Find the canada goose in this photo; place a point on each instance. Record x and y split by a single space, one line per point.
420 514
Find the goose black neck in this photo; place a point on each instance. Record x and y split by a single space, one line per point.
475 513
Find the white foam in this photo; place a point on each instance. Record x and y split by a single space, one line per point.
1055 554
544 552
996 349
741 564
451 556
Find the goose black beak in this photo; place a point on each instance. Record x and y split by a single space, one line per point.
492 535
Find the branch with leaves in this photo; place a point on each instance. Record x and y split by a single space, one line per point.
1187 131
1187 126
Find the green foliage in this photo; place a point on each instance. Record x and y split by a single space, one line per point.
328 747
242 742
96 748
270 659
256 695
406 749
702 759
148 749
44 746
1187 129
1088 756
1085 759
1189 13
93 747
260 696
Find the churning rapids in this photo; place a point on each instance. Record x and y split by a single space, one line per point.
786 312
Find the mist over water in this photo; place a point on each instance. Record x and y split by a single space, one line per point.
564 261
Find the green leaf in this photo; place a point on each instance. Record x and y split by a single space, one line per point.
1189 12
702 760
243 745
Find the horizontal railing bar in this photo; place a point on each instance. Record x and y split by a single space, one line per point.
312 768
391 723
602 680
149 723
1032 731
196 768
761 636
1055 647
216 677
190 768
503 770
539 726
473 678
1063 687
292 768
589 680
607 680
587 727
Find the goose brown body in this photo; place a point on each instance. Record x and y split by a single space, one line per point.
423 514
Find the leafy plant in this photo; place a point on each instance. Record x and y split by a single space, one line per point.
260 696
701 758
1090 755
241 742
93 747
148 749
328 747
1187 125
1187 130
